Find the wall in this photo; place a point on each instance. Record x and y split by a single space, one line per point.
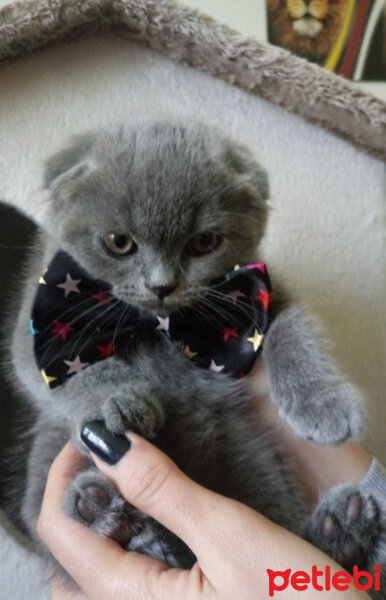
249 17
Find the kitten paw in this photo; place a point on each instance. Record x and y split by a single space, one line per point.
138 412
329 416
94 502
349 524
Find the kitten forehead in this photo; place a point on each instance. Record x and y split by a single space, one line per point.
167 176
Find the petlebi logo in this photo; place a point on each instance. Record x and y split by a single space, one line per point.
323 580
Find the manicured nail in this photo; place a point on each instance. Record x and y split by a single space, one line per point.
105 444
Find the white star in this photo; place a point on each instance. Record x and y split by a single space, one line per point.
163 324
215 368
70 285
75 365
235 295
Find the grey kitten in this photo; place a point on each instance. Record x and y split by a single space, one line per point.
164 185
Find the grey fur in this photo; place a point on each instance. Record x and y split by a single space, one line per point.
162 182
307 387
356 521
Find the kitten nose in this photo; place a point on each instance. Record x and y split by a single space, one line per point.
163 290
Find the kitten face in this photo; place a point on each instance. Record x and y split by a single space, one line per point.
158 209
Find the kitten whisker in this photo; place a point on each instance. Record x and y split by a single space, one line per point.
65 312
226 318
49 346
120 321
241 307
105 316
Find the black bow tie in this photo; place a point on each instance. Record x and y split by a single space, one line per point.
76 321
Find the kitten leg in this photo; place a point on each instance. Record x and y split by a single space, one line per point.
349 524
115 392
311 394
47 443
93 501
160 543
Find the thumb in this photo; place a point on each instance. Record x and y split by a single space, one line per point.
153 483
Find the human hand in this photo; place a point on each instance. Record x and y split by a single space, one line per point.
234 545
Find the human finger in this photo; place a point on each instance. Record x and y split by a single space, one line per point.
97 564
207 522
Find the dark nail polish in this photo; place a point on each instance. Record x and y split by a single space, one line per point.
105 444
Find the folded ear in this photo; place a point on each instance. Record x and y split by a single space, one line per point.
69 164
248 171
61 175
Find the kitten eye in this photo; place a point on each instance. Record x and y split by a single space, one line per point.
118 244
203 243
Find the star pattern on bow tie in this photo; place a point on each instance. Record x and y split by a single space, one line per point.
256 340
265 298
235 295
62 329
32 328
260 266
188 353
70 285
230 333
76 326
163 323
101 297
46 378
214 367
75 365
107 350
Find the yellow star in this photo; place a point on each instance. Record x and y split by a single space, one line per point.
256 340
47 378
236 267
189 353
42 281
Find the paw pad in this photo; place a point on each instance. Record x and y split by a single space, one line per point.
372 509
354 508
92 499
329 528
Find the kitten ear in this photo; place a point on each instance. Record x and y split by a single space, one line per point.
69 164
62 173
248 171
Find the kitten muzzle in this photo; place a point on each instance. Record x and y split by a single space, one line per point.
76 321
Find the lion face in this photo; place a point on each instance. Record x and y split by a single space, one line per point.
306 27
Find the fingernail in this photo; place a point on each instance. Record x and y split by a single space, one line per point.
105 444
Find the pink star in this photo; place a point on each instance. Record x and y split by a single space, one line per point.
62 329
265 298
230 333
235 295
260 266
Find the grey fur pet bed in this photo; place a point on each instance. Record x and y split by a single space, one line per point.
187 36
68 66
